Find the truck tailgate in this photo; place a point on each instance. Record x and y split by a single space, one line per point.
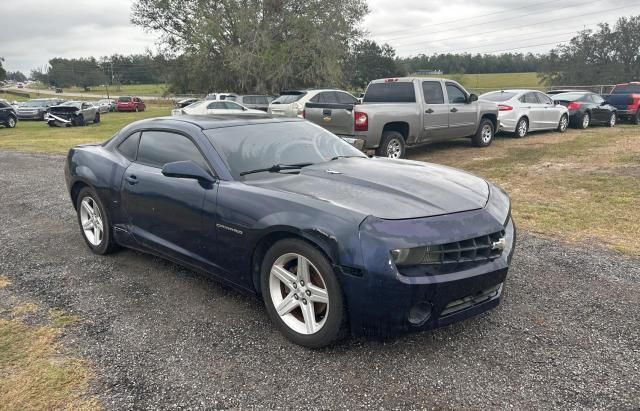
337 118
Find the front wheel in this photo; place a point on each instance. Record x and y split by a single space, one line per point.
563 124
484 135
302 295
391 145
97 119
94 222
612 120
11 122
586 120
636 118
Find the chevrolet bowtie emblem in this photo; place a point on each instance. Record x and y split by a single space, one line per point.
501 244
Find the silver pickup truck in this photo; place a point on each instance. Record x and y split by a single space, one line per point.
397 113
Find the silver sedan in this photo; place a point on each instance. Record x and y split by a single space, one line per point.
522 111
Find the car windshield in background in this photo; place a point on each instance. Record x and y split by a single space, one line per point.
34 103
246 148
124 99
569 96
288 98
393 92
628 89
498 96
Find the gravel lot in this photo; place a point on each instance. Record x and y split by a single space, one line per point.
160 336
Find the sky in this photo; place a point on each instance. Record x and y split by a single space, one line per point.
34 31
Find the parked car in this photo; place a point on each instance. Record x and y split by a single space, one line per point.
626 99
102 107
285 210
291 103
35 109
8 115
73 113
20 85
58 90
560 91
108 103
220 96
256 102
406 112
208 107
522 111
127 103
587 108
185 102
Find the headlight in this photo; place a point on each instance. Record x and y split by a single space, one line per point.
499 204
430 254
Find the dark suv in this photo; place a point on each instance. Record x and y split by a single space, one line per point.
8 116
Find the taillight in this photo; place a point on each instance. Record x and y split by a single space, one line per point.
574 105
361 122
504 107
304 114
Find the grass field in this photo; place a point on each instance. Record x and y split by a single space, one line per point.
132 89
481 83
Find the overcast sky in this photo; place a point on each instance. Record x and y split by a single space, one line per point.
34 31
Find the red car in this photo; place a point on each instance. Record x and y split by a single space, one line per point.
626 99
130 104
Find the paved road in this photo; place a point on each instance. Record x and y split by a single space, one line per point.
160 336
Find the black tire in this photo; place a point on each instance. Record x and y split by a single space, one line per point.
391 145
107 245
96 120
334 327
563 124
11 122
484 134
79 121
50 123
522 128
636 119
136 109
585 120
613 120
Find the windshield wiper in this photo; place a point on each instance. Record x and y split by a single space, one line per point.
339 157
277 167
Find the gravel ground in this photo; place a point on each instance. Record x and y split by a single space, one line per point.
159 336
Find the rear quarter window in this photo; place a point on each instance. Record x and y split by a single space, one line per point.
394 92
129 147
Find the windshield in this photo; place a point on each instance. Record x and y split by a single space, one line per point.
71 103
256 146
498 96
569 96
124 99
626 89
288 98
34 103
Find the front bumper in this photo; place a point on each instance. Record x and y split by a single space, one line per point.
30 115
382 301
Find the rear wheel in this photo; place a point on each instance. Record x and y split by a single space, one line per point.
97 119
586 120
391 145
612 120
136 109
522 128
302 295
484 135
94 222
563 124
636 118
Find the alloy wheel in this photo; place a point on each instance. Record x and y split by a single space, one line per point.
612 120
564 123
487 134
299 293
586 120
394 148
522 128
91 220
11 122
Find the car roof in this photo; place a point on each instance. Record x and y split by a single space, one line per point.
208 122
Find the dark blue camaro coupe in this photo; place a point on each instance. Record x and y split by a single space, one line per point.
330 239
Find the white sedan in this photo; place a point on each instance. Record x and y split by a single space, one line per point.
522 111
214 107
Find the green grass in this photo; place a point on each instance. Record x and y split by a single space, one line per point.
36 136
127 89
496 81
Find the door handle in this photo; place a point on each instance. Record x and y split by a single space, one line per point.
429 111
454 110
132 179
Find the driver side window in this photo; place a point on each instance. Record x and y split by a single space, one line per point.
158 148
456 96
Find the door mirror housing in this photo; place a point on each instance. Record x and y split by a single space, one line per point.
604 103
186 169
472 98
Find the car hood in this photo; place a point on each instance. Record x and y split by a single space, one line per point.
384 188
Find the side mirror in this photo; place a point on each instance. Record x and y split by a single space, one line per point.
604 103
186 169
472 98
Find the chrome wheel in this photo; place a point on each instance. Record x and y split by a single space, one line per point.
394 148
564 123
91 220
612 120
522 129
299 293
487 133
586 120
